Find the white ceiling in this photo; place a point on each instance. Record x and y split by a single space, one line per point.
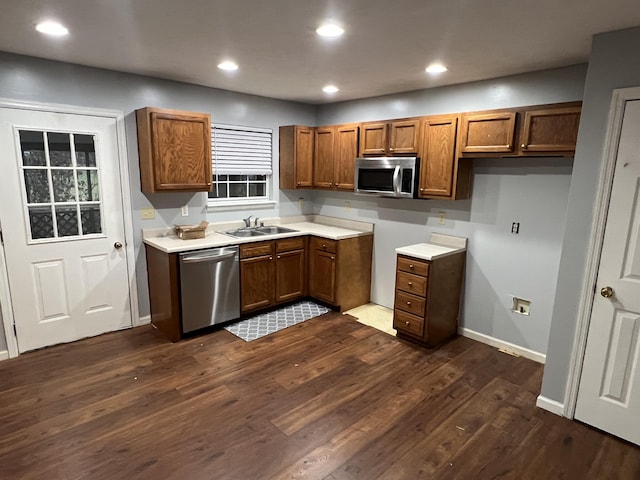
386 47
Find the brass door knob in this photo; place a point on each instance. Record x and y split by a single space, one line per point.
117 245
606 292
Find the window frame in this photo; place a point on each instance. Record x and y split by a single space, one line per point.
239 202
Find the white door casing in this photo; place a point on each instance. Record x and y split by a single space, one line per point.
609 388
75 286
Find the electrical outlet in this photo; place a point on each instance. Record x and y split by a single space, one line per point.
148 213
347 207
300 203
515 227
442 216
185 210
521 306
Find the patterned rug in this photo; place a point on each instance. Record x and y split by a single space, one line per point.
260 325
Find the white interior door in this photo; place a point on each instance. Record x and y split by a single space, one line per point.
609 392
63 226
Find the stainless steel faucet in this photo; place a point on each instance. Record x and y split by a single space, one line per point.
247 221
255 221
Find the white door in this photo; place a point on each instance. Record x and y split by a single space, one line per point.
609 392
62 225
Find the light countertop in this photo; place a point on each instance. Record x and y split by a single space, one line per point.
440 246
326 227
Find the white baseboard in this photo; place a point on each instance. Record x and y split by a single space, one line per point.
509 347
146 320
4 355
550 405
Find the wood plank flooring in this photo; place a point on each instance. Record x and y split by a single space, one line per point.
329 398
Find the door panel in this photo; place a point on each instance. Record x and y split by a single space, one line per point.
609 392
63 224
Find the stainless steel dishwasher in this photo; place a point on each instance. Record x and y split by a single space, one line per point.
209 287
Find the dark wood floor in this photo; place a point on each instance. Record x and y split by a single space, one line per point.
327 399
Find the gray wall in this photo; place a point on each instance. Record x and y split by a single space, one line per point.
613 64
534 192
30 79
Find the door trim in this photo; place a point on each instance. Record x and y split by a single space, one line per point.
616 113
127 211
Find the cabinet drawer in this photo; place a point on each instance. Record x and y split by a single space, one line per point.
412 265
256 249
286 244
410 303
408 323
324 244
411 283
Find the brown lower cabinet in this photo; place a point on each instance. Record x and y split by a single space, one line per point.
271 272
427 298
340 271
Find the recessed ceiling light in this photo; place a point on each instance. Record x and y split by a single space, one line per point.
436 68
228 66
329 30
330 89
52 28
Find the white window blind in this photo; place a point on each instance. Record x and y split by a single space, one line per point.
241 150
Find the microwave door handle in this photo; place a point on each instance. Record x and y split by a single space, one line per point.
396 181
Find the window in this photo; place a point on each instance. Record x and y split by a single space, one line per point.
241 159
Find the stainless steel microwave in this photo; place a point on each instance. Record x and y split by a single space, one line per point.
387 176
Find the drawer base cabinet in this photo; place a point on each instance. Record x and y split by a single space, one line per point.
427 298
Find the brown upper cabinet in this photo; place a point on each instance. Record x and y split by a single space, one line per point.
336 148
442 174
397 137
296 157
487 132
551 130
544 130
174 149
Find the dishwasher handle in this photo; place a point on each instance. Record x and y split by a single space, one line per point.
207 258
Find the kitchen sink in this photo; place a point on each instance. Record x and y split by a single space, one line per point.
272 230
258 231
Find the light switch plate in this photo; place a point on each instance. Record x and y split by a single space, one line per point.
148 213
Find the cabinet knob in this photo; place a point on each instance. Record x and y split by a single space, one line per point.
279 257
333 258
408 303
410 265
299 183
410 283
391 149
324 246
270 258
422 189
407 323
524 145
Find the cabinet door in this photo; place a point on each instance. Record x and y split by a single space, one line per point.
438 156
322 276
373 138
404 137
323 159
175 150
487 132
290 275
551 130
346 151
256 283
304 157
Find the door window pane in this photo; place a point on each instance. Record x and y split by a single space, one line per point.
59 149
67 219
85 150
41 222
90 216
64 185
32 146
36 183
88 185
